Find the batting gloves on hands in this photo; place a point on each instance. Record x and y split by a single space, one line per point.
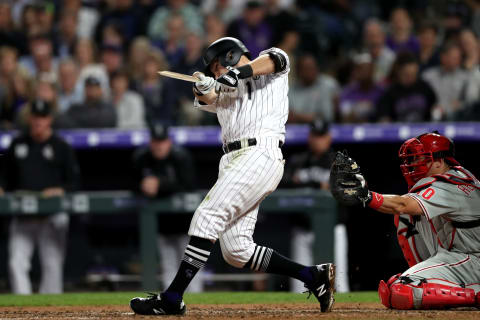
230 78
204 85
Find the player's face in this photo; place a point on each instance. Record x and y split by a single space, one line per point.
160 148
319 144
217 69
40 125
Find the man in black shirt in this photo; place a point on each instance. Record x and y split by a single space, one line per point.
163 169
311 169
409 98
41 164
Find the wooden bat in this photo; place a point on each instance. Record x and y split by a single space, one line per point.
177 75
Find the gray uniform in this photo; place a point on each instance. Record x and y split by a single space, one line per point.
448 231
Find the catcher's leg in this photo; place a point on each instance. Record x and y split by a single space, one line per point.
446 280
412 245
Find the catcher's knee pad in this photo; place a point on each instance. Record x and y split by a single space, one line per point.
438 296
384 290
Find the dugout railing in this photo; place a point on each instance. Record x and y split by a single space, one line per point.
318 204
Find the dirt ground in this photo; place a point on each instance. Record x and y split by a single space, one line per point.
235 311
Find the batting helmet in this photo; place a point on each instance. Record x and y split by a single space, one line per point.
417 154
227 50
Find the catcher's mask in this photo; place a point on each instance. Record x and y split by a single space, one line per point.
417 155
227 50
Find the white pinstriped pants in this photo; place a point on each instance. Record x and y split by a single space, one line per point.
229 211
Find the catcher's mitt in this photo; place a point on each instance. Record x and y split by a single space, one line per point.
346 181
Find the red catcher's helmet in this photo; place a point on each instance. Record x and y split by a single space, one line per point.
417 154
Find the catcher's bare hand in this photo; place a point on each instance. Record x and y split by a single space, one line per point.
347 184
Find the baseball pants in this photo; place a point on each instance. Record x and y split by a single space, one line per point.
229 211
50 233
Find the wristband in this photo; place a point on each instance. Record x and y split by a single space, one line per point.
246 71
376 201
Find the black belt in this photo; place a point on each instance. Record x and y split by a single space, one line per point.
466 224
236 145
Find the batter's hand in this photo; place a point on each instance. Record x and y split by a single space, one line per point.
229 79
347 183
204 85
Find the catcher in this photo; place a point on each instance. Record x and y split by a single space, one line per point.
438 224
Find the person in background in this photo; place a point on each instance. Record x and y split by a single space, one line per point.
428 55
225 10
138 53
41 59
470 50
358 100
128 104
374 43
173 45
215 28
121 13
9 36
68 92
401 37
85 58
44 89
159 93
450 82
14 87
112 58
191 16
39 163
94 112
409 98
66 34
314 94
311 169
252 28
163 169
87 17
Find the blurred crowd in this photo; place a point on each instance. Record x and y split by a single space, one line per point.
95 62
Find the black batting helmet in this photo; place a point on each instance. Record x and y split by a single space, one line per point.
228 50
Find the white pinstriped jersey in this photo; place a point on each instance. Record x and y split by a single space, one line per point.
258 108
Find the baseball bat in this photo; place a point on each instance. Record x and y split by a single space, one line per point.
177 75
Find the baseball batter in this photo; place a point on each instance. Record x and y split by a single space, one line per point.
438 224
251 103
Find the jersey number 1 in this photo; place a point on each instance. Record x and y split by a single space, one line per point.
249 88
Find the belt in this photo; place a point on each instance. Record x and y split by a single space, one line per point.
237 145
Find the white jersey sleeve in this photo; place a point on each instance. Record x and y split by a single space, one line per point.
205 107
285 55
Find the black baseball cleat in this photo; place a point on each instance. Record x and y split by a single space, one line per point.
156 304
323 285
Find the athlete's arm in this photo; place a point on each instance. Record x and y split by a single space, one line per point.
395 204
262 65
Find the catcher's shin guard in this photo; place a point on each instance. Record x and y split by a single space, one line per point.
439 296
384 290
434 296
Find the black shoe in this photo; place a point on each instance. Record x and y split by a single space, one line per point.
156 304
323 285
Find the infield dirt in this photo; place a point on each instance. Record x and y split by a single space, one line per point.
238 311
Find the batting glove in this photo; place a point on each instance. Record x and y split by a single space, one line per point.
204 85
229 79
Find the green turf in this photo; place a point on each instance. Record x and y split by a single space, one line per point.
122 298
